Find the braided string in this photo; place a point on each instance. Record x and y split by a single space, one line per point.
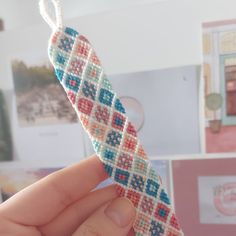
44 11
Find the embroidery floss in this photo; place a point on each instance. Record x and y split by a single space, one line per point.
114 138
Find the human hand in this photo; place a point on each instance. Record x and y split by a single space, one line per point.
62 204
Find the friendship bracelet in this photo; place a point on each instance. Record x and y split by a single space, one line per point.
113 136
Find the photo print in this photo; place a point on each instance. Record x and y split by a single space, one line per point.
217 199
40 100
205 195
163 105
219 70
14 178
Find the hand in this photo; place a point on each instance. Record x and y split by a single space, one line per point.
63 204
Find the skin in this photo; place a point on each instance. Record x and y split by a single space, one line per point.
64 204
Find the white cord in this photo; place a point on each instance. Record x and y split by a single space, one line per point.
44 10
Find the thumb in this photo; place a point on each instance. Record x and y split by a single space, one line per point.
115 218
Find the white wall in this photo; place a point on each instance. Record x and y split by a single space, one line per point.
136 38
129 35
25 12
132 39
211 10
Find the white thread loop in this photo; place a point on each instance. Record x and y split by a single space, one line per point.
47 16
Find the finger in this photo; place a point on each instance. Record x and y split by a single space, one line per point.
41 202
8 228
131 232
74 215
114 219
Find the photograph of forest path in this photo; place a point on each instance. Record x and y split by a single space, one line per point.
40 99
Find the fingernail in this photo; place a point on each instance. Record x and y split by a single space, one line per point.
121 211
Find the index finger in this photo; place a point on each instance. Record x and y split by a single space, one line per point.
42 201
